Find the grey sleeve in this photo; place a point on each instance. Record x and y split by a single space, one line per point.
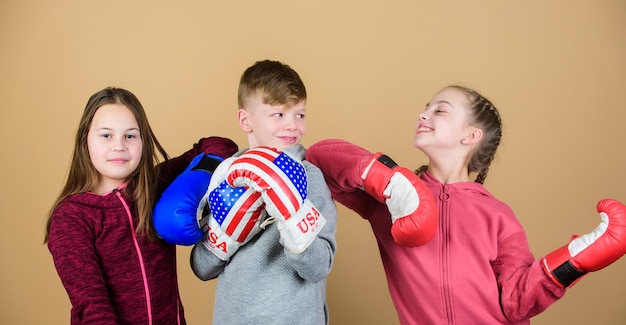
205 265
315 263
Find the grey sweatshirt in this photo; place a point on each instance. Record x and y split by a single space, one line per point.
263 283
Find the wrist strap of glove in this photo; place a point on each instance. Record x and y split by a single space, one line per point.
559 268
208 163
377 174
567 274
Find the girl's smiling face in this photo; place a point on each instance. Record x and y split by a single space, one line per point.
444 122
115 146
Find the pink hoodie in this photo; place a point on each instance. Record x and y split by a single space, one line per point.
477 270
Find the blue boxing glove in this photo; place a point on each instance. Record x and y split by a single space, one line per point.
177 213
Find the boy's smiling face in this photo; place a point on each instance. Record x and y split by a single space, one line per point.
276 126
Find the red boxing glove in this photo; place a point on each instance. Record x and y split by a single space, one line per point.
593 251
410 203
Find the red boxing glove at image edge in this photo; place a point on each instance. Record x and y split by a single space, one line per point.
592 251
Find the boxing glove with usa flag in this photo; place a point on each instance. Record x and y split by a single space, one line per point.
282 182
235 217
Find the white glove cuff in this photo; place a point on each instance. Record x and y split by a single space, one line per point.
301 229
581 243
217 241
402 198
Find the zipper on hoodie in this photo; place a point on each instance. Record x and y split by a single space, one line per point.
444 199
139 255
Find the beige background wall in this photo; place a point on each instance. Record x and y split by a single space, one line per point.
555 69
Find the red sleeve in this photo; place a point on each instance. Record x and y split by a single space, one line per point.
525 289
341 162
218 146
71 243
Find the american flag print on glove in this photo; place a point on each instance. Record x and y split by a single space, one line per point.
282 182
280 178
235 215
232 208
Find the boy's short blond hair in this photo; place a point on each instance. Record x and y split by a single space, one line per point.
277 83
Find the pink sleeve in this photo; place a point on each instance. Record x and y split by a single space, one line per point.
341 162
525 289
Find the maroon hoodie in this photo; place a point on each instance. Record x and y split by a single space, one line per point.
111 275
